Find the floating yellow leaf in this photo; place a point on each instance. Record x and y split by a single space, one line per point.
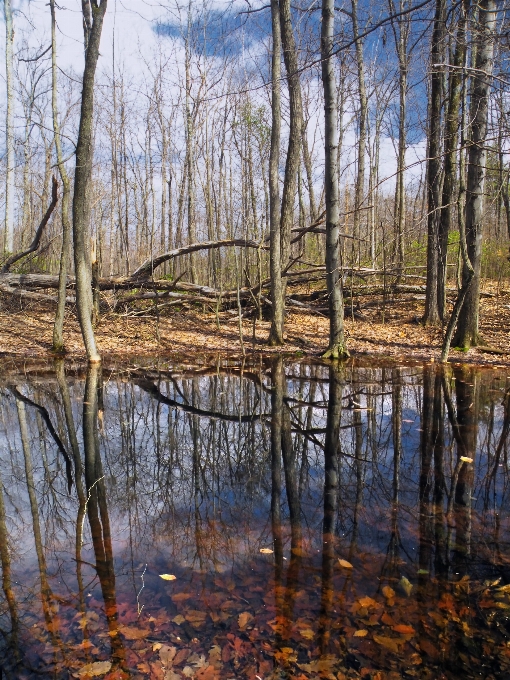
345 564
168 577
266 551
406 585
361 633
466 459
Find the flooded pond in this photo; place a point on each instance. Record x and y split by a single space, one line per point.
278 520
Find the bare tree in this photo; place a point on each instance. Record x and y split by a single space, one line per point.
277 293
434 163
467 326
336 348
93 15
58 334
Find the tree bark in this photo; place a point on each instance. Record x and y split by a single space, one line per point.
58 328
467 325
93 20
9 175
295 129
336 348
363 121
275 253
434 166
451 137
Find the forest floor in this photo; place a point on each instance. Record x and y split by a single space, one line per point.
27 333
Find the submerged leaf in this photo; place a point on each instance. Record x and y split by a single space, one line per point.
388 592
244 619
403 629
390 643
361 633
133 633
94 670
367 602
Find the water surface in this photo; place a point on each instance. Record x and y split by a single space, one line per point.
273 520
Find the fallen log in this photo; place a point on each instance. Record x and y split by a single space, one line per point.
148 267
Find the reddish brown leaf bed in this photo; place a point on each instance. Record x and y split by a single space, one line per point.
28 333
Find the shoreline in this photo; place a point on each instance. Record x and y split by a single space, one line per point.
27 335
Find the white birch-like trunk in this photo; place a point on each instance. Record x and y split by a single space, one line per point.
9 133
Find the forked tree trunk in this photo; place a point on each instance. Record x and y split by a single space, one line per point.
467 325
336 348
93 15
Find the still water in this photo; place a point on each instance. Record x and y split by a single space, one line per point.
277 520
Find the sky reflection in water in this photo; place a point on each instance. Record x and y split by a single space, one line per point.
378 496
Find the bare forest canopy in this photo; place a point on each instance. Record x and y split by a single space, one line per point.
260 156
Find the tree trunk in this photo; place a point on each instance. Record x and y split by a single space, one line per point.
83 179
434 166
275 254
9 175
363 121
58 333
467 325
336 348
450 154
295 128
401 39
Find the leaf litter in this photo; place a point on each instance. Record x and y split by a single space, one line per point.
206 631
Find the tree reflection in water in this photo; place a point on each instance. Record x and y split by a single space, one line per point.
400 473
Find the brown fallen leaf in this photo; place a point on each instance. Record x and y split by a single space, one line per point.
361 633
167 655
94 670
388 592
387 620
307 633
393 644
196 617
403 629
133 633
367 602
244 619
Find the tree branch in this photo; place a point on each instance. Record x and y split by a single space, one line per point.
37 238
